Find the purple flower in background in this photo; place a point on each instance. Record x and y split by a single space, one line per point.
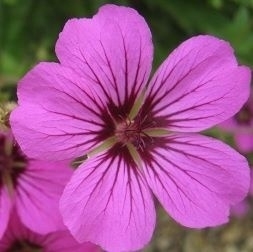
242 208
34 187
241 126
131 138
18 238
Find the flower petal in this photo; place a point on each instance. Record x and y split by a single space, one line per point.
38 193
197 179
53 242
14 230
241 209
114 49
63 241
244 141
58 117
199 85
108 203
230 125
5 209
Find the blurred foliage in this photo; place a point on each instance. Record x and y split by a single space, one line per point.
29 28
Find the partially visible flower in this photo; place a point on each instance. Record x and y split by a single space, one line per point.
242 208
32 186
133 140
18 238
241 126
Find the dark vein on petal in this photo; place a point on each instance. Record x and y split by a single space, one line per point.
116 85
157 177
114 182
72 116
126 67
92 99
186 154
134 91
159 99
186 172
24 191
99 182
193 107
164 79
173 179
180 97
98 81
78 101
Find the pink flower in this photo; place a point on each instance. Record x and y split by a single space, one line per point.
18 237
134 141
241 126
242 208
34 187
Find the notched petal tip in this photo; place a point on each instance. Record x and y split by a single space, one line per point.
197 179
106 199
88 46
199 85
54 104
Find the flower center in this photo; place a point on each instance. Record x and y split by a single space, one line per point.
24 246
129 132
12 162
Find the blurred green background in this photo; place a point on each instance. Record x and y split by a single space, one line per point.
30 28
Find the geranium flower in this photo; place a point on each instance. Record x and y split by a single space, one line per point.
133 140
18 238
33 187
242 208
241 126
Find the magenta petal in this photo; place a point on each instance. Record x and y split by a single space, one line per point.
251 181
107 202
241 209
15 230
60 241
114 49
5 209
63 241
230 125
58 115
199 85
38 193
244 141
197 179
